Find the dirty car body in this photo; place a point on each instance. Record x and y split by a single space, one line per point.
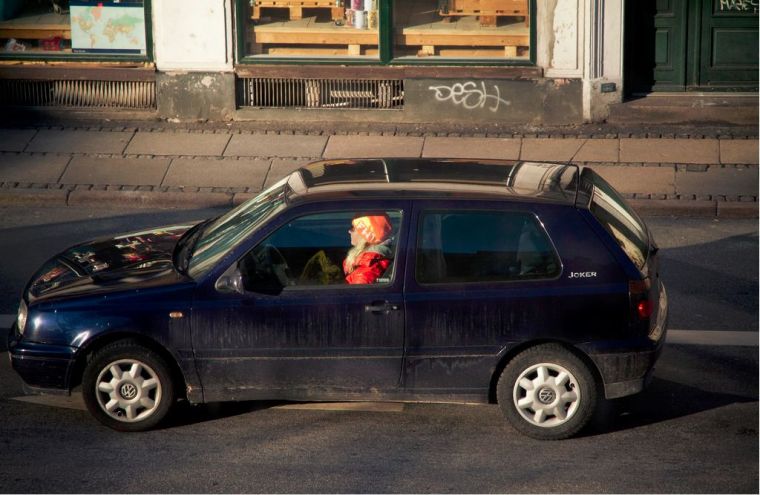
530 284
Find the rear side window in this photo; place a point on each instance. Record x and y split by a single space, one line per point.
483 246
619 220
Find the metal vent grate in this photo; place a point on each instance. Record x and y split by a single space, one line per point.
321 93
89 94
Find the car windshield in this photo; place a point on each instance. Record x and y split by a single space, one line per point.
227 231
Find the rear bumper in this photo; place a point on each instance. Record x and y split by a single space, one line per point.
630 370
41 366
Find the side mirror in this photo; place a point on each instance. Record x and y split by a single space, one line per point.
230 282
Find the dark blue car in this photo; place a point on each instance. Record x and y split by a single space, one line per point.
532 285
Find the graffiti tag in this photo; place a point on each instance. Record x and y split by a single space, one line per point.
469 96
739 5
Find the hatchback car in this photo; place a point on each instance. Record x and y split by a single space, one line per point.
532 285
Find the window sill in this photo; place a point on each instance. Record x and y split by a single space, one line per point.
390 72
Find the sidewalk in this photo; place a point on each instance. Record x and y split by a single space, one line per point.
694 176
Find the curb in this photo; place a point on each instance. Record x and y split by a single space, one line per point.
149 199
190 200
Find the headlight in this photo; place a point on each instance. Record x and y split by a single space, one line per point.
23 312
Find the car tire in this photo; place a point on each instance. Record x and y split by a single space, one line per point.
127 387
548 393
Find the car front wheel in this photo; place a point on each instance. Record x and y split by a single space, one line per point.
127 387
548 393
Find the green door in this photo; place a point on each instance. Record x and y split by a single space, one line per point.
655 45
680 45
729 54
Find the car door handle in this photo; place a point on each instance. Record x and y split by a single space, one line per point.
381 307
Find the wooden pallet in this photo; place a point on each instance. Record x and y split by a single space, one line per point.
431 40
355 41
486 10
295 7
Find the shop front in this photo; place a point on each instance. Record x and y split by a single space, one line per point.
511 62
77 53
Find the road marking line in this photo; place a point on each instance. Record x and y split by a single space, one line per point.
73 401
682 337
713 337
345 406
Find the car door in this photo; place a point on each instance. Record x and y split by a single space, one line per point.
314 336
476 281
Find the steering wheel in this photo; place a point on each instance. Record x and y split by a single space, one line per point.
272 256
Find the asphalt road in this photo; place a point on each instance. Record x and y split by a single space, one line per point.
694 430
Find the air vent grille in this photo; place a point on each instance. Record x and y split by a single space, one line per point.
86 94
321 93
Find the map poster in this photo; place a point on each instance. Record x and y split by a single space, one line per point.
113 27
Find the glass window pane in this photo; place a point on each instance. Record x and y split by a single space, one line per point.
104 28
483 247
312 28
477 29
320 249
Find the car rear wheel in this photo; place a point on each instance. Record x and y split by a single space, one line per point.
127 387
548 393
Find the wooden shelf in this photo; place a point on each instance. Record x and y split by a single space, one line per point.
36 27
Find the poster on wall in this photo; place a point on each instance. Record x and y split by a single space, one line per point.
108 27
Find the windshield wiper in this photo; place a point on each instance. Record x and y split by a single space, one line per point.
183 251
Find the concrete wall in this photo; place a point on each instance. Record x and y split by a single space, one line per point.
543 101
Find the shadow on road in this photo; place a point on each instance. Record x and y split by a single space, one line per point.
663 400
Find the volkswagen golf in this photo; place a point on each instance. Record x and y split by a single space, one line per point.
530 285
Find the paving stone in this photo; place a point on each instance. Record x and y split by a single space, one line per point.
479 148
178 144
79 141
669 150
739 151
205 172
123 171
649 180
282 167
373 147
717 180
599 150
276 145
560 150
32 168
15 139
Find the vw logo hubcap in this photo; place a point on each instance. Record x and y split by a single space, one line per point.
546 395
128 391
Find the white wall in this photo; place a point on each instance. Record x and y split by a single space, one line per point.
192 35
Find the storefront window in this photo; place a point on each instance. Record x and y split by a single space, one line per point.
312 28
76 28
462 29
494 30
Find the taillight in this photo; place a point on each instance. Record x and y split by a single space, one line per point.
644 309
641 305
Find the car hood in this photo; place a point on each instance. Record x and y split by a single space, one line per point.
110 263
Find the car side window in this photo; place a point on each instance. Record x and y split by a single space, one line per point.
325 249
483 246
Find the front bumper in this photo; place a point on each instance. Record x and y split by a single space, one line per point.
629 371
43 367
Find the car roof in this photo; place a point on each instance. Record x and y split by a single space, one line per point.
414 177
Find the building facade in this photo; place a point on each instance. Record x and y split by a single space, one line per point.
540 62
